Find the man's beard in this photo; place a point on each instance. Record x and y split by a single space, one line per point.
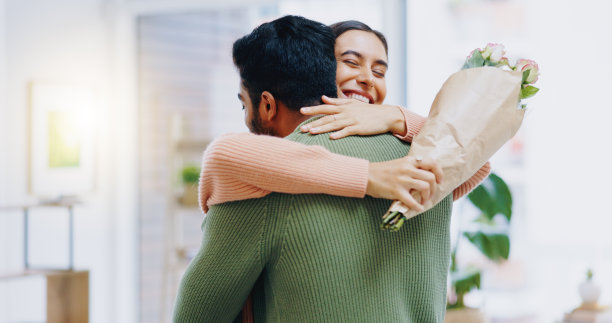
257 127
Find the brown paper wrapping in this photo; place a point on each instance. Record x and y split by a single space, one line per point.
475 112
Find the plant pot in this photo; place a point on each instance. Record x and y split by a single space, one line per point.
465 315
190 195
589 293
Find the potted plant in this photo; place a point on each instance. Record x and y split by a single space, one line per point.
190 176
489 234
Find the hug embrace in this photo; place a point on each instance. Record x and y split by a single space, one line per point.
293 214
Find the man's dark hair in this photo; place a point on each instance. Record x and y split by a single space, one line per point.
291 57
340 28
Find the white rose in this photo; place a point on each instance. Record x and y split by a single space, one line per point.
531 66
494 52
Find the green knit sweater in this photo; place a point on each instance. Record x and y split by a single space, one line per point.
319 258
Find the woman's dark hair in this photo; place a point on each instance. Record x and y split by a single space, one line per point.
341 27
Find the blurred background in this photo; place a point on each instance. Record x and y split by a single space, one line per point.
107 105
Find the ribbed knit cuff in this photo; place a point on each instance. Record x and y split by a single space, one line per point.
471 183
414 123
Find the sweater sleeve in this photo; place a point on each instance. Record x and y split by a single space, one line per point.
244 166
230 259
414 123
471 183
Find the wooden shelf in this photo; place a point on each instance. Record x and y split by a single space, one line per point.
194 145
67 289
67 293
64 202
33 272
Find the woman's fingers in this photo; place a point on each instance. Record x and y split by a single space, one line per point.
397 179
426 182
329 126
331 118
430 165
364 118
347 131
320 109
325 124
409 200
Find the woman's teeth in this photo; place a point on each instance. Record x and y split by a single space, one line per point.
358 97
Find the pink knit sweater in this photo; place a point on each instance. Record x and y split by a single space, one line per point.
237 167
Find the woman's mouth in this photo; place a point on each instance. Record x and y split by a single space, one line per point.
363 97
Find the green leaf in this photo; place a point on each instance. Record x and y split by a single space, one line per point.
492 197
475 61
465 280
190 174
483 219
482 199
490 63
495 246
528 91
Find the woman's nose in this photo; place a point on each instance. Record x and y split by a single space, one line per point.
366 77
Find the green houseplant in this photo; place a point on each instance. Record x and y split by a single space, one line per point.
190 176
488 233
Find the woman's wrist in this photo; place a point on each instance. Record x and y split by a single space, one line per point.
397 121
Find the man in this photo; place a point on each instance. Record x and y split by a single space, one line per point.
311 258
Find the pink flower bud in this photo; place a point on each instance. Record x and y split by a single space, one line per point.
528 65
494 52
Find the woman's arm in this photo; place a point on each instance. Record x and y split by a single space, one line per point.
243 166
351 117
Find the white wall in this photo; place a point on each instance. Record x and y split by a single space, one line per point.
72 42
3 107
566 174
3 183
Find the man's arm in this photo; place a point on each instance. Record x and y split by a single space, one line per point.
220 277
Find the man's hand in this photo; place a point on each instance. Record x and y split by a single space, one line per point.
397 179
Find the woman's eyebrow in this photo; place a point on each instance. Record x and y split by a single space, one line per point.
352 52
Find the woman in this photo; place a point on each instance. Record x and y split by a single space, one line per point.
231 173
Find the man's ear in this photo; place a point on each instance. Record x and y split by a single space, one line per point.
267 107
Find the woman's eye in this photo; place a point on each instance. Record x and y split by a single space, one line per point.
379 73
350 62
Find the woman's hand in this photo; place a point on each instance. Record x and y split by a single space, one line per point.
397 179
353 117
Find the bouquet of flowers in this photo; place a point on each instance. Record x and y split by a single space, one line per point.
476 111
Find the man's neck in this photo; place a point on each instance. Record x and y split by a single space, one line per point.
289 125
287 121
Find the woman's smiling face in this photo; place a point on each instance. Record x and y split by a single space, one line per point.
362 65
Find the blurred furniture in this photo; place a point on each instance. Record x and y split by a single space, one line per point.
67 289
183 217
